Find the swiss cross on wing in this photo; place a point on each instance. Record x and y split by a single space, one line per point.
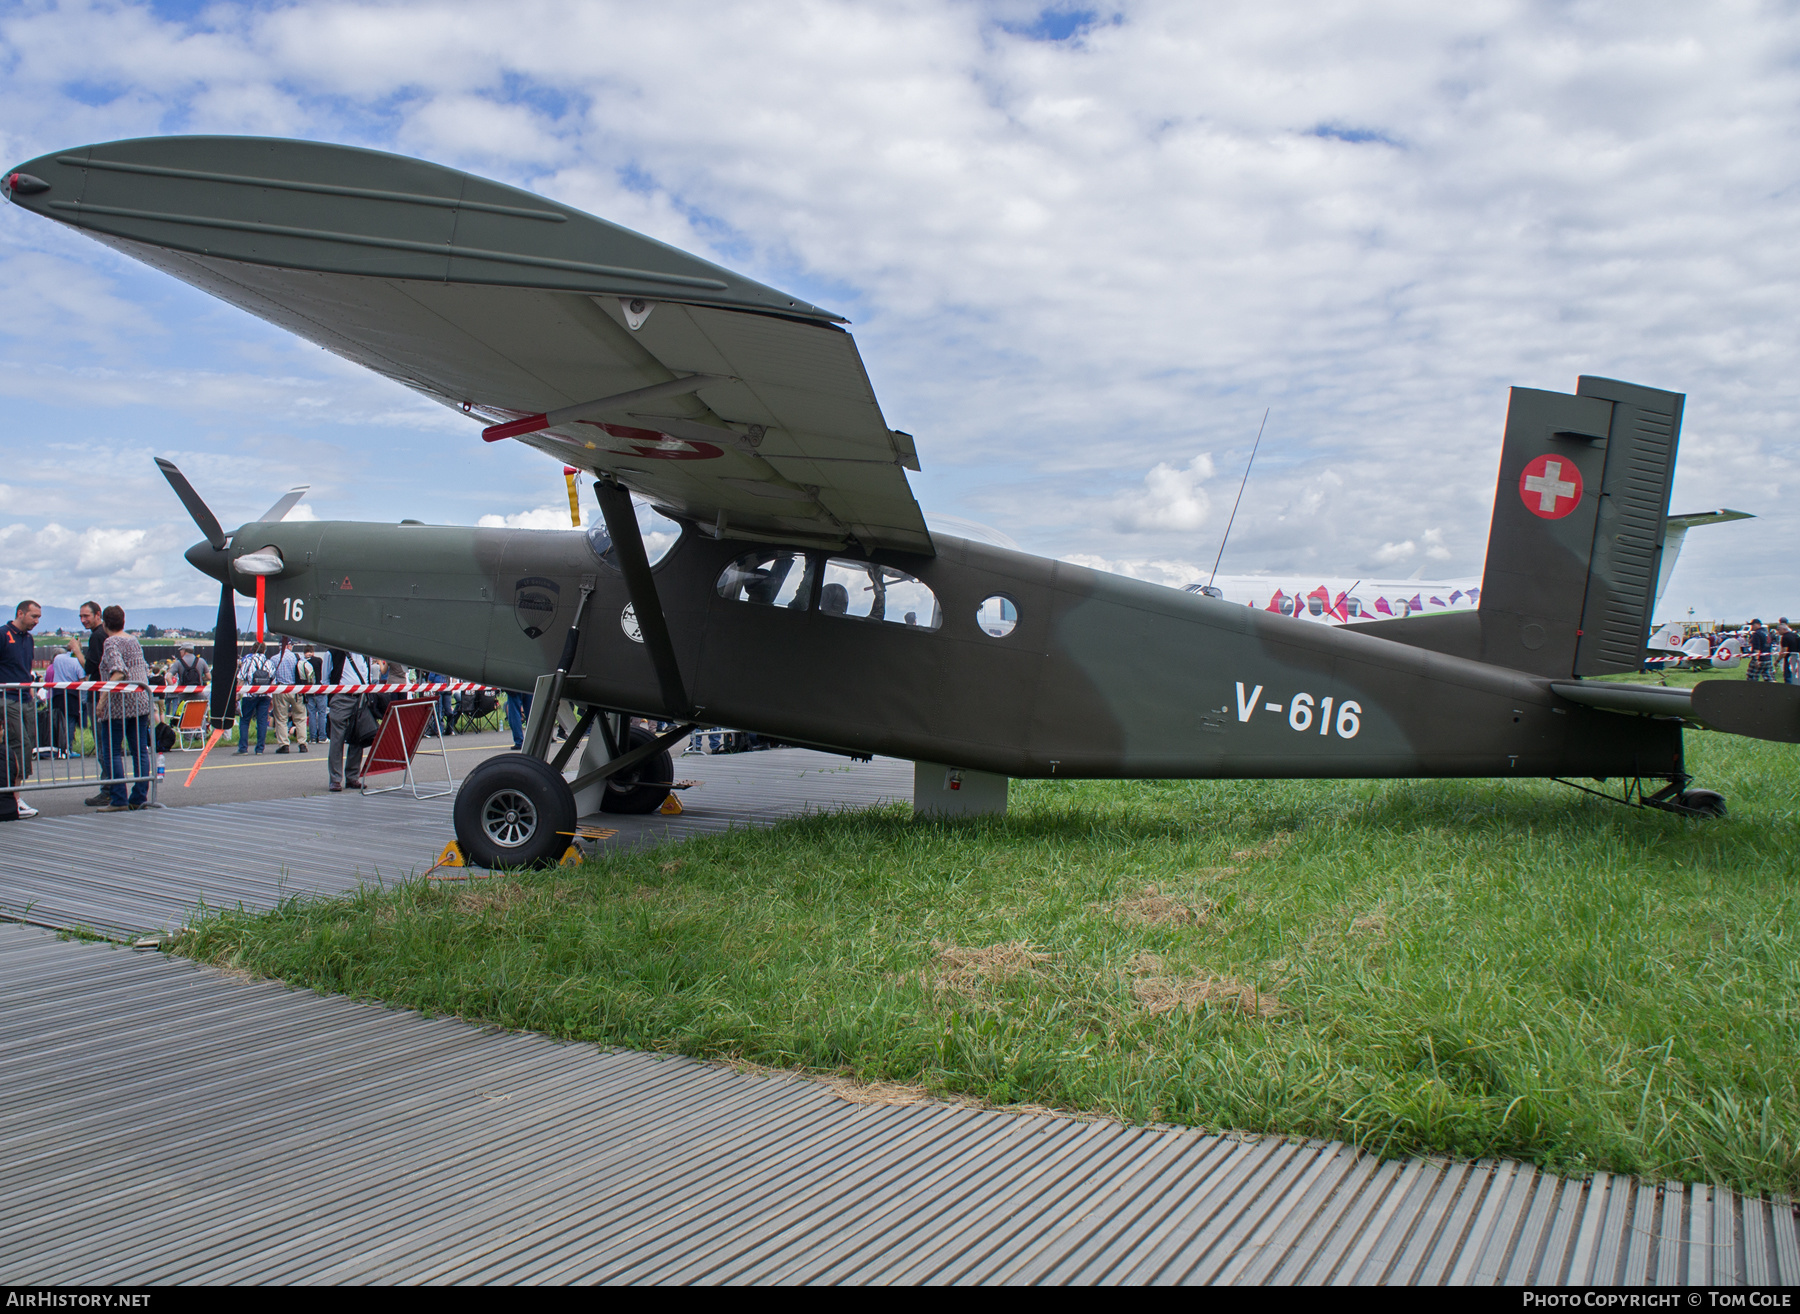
1550 487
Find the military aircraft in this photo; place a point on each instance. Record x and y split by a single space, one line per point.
806 599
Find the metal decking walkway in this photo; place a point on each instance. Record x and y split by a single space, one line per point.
145 872
165 1122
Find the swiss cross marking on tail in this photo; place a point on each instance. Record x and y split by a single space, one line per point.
1550 487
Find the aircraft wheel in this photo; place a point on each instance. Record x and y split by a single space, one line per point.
1701 802
514 811
644 787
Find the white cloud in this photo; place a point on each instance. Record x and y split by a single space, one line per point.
1389 553
1171 499
543 517
1176 574
1069 262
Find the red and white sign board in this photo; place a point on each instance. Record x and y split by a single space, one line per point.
397 742
1550 487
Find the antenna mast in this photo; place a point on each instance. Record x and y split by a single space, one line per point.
1240 497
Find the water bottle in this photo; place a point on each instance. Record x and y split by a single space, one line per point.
159 767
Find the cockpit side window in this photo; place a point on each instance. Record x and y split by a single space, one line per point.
866 590
856 590
774 579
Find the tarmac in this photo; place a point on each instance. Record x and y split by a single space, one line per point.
167 1122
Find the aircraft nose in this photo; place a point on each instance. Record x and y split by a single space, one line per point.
209 560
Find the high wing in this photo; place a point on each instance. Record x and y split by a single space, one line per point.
715 397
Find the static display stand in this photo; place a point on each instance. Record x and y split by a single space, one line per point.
396 748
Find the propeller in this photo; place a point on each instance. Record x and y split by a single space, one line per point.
202 514
217 563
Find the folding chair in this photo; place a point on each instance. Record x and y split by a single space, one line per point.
472 709
192 722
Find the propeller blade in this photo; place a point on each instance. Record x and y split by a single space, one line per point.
287 503
202 514
224 671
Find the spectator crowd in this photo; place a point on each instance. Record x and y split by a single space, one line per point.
128 731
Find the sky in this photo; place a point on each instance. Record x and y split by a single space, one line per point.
1083 250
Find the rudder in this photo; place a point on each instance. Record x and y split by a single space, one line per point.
1580 515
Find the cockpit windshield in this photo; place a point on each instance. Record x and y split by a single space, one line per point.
660 535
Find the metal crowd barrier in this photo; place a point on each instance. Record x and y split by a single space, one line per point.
69 734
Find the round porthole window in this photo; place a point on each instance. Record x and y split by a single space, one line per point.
997 616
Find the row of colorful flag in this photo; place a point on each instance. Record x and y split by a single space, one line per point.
1338 608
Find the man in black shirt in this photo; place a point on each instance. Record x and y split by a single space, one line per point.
96 642
1759 643
1789 640
20 707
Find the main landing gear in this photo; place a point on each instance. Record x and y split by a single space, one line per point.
514 811
517 810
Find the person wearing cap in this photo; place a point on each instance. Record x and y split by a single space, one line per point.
188 668
1758 644
183 668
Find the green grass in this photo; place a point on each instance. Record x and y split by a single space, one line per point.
1467 968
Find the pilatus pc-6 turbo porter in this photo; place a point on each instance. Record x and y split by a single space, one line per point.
805 598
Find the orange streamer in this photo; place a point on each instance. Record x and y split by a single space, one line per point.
203 752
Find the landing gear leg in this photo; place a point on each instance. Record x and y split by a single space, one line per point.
1676 797
626 769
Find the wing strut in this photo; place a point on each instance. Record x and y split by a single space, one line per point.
622 528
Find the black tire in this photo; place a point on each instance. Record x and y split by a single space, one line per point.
514 811
1701 803
644 787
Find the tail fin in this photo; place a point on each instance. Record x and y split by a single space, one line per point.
1580 516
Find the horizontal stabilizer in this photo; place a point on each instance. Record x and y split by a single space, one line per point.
1640 699
1753 709
1733 707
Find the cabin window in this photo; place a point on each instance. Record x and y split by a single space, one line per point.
774 579
866 590
1316 606
997 616
1353 606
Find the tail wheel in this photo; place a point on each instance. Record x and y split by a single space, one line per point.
514 811
644 787
1701 803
